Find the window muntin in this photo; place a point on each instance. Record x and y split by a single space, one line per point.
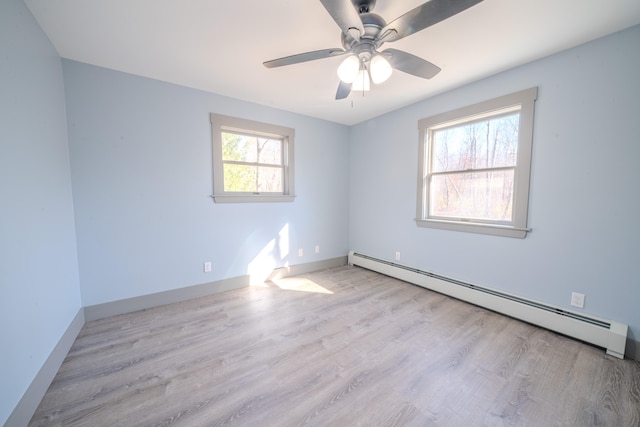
253 161
474 167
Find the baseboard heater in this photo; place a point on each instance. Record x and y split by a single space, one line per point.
600 332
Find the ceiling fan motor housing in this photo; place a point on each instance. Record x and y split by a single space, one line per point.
367 44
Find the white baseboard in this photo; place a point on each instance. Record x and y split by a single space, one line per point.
29 402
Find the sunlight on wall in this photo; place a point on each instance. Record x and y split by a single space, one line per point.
283 243
262 265
270 258
275 256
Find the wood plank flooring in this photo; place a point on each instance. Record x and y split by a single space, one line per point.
338 347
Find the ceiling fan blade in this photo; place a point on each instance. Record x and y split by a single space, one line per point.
344 89
423 16
303 57
410 64
346 16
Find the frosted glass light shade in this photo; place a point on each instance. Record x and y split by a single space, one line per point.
362 81
380 69
348 70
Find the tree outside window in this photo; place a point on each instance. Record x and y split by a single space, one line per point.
252 161
474 167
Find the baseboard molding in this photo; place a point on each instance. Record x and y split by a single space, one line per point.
128 305
29 402
296 270
633 349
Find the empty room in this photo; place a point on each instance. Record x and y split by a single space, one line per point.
324 213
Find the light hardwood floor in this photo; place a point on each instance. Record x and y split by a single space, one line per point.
339 347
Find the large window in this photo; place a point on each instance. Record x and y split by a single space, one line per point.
474 167
253 161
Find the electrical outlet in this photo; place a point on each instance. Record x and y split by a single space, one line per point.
317 249
300 252
577 300
207 267
397 256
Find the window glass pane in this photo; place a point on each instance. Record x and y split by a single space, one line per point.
239 148
239 178
252 161
269 179
270 151
474 195
488 143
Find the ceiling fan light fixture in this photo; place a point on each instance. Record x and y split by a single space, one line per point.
361 82
380 69
363 32
348 69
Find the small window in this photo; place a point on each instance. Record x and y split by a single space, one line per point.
252 161
474 167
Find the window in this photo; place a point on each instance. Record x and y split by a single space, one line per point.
252 161
474 167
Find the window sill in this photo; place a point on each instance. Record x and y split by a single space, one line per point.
475 227
253 198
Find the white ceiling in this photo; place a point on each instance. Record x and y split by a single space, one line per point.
219 45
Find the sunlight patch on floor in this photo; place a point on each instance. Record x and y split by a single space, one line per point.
300 284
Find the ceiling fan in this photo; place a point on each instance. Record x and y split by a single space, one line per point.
364 32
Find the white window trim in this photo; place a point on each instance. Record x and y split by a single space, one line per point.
518 227
221 123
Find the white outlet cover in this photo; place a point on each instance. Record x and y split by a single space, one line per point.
207 267
577 299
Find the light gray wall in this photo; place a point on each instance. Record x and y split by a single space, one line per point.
38 260
584 191
142 173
